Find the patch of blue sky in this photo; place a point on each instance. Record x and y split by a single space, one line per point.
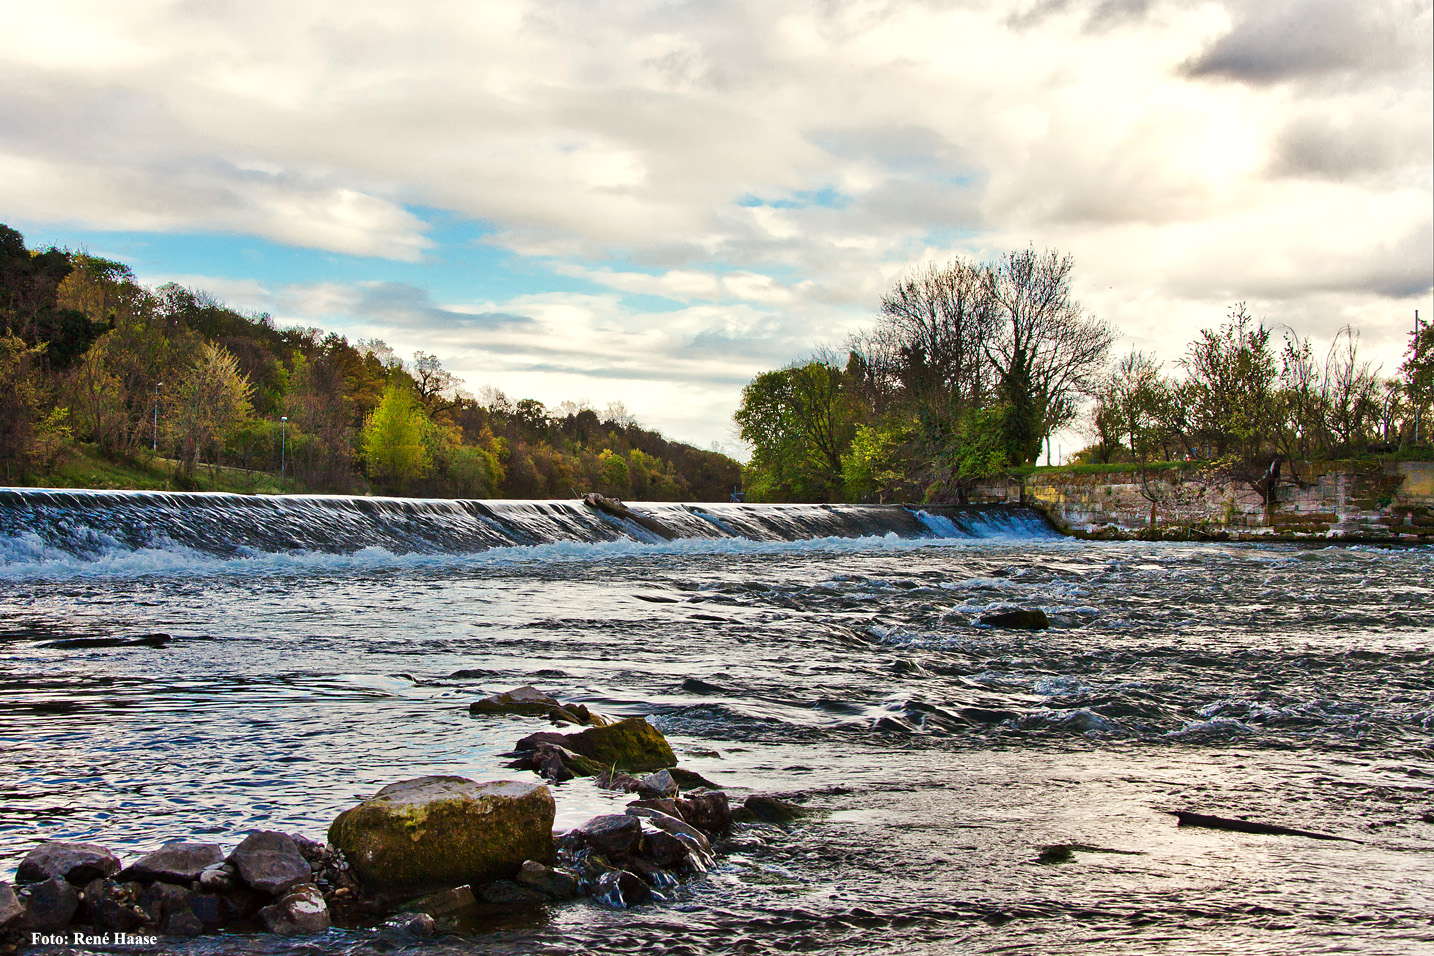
825 198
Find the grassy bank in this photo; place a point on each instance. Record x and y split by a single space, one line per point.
83 467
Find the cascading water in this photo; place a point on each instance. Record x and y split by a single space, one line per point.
93 525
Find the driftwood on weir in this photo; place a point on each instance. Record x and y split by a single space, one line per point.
1188 819
619 510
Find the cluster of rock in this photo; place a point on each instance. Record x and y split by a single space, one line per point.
427 849
271 880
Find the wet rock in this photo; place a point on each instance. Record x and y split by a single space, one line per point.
614 835
632 745
690 780
652 874
659 784
49 905
10 906
175 862
445 902
77 863
509 893
330 869
708 811
445 830
674 825
661 805
298 912
417 925
1033 619
620 889
557 763
110 906
519 700
554 882
621 782
270 862
211 910
766 809
161 901
662 848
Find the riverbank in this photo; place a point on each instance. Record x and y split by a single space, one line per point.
1354 501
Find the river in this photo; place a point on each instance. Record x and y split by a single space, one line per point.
844 669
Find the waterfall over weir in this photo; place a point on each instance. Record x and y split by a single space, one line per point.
92 525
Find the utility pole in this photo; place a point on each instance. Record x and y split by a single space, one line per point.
154 446
283 444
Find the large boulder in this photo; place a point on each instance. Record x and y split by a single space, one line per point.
445 831
175 862
631 744
77 863
270 862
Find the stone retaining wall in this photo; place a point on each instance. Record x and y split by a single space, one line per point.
1383 501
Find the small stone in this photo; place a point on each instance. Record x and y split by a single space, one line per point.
620 889
675 826
708 811
175 862
614 835
556 883
10 908
76 862
621 782
668 807
49 905
219 877
659 784
270 862
298 912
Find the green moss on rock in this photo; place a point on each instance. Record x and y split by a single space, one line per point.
445 831
631 744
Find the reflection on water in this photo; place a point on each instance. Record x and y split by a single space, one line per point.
1288 685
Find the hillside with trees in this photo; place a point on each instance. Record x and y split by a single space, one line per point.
970 367
92 363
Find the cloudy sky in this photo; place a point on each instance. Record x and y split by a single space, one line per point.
652 201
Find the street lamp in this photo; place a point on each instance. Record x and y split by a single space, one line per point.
154 446
283 444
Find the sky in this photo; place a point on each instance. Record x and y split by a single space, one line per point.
651 202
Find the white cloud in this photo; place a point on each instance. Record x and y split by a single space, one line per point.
777 163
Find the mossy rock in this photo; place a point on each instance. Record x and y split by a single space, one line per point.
445 831
631 744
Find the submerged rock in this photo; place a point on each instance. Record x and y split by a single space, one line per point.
444 902
445 830
174 862
78 863
767 809
298 912
1024 619
270 862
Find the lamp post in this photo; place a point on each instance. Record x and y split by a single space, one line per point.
283 444
154 446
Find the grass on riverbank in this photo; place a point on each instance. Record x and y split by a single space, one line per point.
82 466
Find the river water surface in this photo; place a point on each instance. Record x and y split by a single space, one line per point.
1287 684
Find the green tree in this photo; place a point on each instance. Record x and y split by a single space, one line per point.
393 439
800 421
210 399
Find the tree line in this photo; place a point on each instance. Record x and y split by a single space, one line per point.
91 359
970 367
